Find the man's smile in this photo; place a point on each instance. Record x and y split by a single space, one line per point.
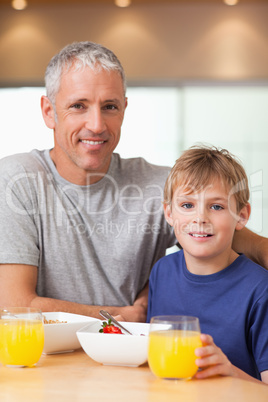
90 142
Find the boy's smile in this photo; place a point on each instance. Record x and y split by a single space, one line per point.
204 223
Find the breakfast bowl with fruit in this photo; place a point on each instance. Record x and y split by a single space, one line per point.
107 344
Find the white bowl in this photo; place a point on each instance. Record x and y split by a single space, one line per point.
61 337
116 349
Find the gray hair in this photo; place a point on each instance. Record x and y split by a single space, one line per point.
80 54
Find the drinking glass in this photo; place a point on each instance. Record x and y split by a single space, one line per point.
172 344
21 336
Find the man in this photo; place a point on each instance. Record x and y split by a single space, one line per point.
80 228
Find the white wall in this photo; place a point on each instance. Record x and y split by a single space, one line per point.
234 118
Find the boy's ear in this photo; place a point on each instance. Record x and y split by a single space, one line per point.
244 215
48 112
168 214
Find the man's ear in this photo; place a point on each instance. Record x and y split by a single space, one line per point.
168 214
244 215
48 112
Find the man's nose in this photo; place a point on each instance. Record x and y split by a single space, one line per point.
95 121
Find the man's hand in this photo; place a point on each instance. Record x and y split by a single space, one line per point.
135 313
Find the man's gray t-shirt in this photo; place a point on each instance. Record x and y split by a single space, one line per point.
92 244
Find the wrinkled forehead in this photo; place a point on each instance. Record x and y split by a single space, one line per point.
76 66
94 70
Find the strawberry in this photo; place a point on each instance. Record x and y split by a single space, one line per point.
109 328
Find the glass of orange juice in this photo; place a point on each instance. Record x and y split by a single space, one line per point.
172 344
21 336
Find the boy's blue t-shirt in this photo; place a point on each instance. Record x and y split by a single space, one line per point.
232 306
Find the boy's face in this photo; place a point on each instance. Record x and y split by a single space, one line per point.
204 222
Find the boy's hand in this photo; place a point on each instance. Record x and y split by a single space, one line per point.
212 360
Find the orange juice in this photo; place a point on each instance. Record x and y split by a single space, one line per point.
171 353
21 341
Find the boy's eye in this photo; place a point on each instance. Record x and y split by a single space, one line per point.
187 205
217 207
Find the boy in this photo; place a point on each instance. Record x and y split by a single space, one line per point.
206 201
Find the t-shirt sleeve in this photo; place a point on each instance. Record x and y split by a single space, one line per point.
154 290
150 296
259 332
18 214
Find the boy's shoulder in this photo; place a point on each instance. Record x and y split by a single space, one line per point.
167 268
251 266
250 276
169 260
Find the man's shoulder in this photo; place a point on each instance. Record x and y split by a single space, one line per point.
140 168
22 162
140 163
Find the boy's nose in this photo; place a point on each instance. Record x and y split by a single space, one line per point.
199 219
201 216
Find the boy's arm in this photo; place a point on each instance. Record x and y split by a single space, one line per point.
18 288
252 245
214 362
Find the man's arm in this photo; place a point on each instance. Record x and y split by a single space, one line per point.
18 288
252 245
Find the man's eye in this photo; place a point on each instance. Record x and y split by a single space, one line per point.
77 106
187 205
110 107
217 207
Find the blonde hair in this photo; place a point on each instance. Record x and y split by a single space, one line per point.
200 165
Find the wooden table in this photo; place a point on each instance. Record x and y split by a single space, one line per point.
75 377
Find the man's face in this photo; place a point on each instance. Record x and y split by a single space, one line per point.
90 109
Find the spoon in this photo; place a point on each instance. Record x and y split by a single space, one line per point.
108 316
